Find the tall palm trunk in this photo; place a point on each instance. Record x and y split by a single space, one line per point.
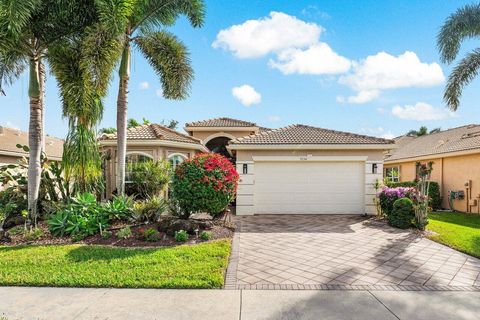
35 134
122 103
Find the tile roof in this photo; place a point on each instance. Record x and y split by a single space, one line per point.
221 122
452 140
302 134
153 132
9 138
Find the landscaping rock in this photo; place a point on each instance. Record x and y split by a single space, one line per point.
172 225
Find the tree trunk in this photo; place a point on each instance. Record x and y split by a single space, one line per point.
35 133
122 103
42 78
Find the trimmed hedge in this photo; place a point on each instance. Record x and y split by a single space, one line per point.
434 191
402 214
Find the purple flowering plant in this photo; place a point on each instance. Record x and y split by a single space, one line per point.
388 196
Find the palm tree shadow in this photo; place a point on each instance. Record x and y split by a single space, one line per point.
99 253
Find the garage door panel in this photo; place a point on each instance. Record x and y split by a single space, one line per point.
309 188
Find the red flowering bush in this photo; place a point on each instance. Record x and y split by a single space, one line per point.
206 183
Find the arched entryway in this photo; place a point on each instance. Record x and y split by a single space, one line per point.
218 144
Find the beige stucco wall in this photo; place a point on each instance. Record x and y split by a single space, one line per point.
246 194
9 159
156 152
451 173
204 135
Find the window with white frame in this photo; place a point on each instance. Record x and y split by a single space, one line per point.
392 174
175 159
132 159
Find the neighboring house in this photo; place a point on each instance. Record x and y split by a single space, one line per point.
456 157
9 153
148 142
297 169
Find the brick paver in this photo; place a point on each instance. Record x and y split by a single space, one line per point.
309 251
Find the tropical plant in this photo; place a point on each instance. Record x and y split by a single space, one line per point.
148 179
205 235
149 210
144 29
83 216
82 65
435 198
181 236
424 171
460 26
28 29
206 183
423 131
149 234
124 233
119 208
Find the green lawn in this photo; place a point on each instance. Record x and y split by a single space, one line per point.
195 266
460 231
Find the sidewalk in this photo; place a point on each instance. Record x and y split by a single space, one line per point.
118 304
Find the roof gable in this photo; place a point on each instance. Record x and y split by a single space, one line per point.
452 140
303 134
153 132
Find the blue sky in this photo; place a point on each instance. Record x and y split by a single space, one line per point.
368 67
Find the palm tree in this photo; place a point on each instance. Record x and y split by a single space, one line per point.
165 53
423 131
464 24
83 65
27 29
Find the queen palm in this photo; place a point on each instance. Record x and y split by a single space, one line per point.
462 25
27 29
168 57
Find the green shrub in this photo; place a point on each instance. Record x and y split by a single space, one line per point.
106 234
83 216
402 215
33 235
148 179
149 210
149 234
205 183
124 233
205 235
433 192
119 208
181 236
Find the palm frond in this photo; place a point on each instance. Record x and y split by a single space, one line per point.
12 64
462 75
170 60
114 14
16 15
151 14
463 24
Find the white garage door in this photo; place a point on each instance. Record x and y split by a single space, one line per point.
309 188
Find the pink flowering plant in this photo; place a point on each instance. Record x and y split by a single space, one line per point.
387 196
206 183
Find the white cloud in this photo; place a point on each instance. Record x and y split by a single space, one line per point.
384 71
378 132
144 85
159 92
257 38
361 97
421 111
274 118
317 59
247 95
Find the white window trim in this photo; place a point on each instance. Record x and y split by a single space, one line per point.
390 177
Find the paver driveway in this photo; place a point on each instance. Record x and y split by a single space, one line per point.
290 250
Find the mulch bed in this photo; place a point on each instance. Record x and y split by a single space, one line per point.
218 231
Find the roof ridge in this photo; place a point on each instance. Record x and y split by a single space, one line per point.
188 124
175 132
351 134
262 133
